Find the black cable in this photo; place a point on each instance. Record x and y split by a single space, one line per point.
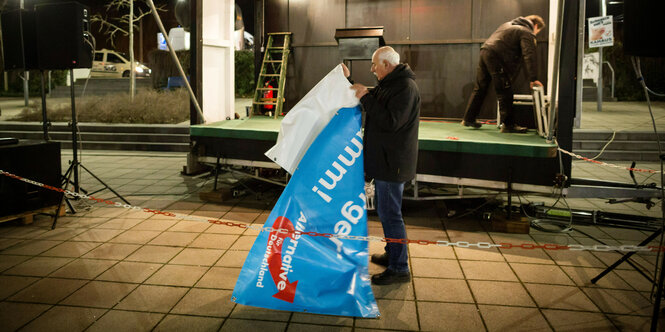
471 211
640 77
538 223
565 227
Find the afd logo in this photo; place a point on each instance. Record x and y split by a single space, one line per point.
279 255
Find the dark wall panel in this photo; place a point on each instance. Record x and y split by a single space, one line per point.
309 66
277 15
438 69
439 39
316 21
392 14
492 13
437 20
360 72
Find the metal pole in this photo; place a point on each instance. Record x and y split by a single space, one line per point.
195 61
26 73
175 59
75 162
259 10
26 92
580 65
555 72
44 113
132 74
599 86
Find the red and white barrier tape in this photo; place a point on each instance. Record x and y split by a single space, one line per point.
441 243
601 163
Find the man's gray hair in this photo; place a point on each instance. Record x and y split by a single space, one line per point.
389 54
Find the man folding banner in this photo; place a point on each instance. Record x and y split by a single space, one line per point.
290 271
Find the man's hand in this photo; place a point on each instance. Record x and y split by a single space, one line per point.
347 73
360 90
535 83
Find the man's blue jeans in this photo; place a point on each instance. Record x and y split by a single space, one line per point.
388 197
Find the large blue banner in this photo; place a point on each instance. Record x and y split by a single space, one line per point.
326 194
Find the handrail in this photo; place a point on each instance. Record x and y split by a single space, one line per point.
612 70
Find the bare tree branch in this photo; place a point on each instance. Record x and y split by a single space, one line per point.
110 29
113 26
117 4
161 8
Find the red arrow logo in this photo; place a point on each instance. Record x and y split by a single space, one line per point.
287 289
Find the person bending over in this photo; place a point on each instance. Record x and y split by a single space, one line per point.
501 57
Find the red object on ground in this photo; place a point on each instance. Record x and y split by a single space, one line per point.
268 94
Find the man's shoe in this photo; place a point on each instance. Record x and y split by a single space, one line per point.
389 277
513 129
474 124
380 259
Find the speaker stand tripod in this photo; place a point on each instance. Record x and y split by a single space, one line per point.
626 257
73 170
45 125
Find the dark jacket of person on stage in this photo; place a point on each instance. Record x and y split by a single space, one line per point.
500 60
514 42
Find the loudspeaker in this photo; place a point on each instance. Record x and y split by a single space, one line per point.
642 31
63 39
18 39
35 160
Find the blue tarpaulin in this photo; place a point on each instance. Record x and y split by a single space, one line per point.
326 194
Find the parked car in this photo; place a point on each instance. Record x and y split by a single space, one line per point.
109 63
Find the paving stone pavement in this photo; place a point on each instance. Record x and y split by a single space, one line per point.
111 269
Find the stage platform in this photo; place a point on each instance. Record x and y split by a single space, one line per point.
433 136
448 152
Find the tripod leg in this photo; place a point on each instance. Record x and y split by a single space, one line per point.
659 295
626 256
57 212
71 207
105 185
66 179
80 188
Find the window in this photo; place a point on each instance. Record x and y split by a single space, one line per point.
110 57
99 56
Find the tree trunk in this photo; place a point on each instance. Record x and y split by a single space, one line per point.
141 41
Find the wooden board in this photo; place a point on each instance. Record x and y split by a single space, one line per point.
517 224
28 216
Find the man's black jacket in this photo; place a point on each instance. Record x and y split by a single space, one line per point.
391 127
512 42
